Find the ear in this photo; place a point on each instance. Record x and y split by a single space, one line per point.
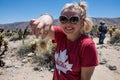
82 22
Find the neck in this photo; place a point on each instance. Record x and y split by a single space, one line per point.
74 37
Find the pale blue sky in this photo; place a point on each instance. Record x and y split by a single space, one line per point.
24 10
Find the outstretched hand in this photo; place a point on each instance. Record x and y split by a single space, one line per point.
41 26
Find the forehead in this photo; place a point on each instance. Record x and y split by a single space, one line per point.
70 12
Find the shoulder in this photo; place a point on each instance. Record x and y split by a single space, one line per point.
86 40
58 33
57 28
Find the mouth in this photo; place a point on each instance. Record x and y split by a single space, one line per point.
68 30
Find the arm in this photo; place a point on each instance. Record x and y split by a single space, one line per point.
86 72
43 25
89 59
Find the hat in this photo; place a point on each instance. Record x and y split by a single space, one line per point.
102 22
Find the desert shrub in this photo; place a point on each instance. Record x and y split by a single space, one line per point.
45 59
94 32
116 37
44 51
14 38
23 50
44 56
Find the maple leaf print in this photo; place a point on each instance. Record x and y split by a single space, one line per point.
62 63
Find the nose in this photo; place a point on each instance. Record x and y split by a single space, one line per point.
68 23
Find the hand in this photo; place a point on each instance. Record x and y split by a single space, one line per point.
42 25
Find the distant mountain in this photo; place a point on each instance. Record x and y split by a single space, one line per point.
16 25
22 25
108 21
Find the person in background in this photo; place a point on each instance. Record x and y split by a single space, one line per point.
102 31
76 55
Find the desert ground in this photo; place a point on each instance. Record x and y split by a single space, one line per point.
16 69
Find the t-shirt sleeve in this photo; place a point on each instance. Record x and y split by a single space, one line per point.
89 56
58 34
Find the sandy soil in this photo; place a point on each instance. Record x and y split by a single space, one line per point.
15 69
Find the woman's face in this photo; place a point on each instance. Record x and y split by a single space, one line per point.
70 22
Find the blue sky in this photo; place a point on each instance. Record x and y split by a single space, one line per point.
24 10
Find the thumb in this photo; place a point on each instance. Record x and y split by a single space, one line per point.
46 30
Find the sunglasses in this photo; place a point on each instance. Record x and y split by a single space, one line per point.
73 19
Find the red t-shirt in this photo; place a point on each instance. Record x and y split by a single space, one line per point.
70 56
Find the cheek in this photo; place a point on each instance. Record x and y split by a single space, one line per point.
80 26
61 26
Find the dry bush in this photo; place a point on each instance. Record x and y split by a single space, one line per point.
14 38
44 52
116 37
44 59
23 50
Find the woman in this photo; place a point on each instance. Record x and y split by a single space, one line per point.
76 55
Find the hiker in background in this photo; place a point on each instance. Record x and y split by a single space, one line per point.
76 55
102 31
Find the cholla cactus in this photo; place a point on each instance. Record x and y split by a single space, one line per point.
42 44
116 37
33 45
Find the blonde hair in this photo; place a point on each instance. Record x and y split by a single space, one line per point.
82 6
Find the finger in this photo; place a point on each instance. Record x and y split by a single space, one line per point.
40 25
46 30
38 29
32 25
37 33
31 22
33 29
35 26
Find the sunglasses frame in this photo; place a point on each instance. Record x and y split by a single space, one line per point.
69 19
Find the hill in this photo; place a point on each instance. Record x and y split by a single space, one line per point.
108 21
22 25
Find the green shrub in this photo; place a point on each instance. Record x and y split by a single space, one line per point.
44 52
116 37
23 50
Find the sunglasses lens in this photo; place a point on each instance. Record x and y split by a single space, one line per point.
74 19
63 19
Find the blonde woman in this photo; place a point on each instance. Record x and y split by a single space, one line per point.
76 55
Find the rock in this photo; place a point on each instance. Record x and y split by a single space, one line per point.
52 70
31 54
36 69
103 62
24 60
112 67
1 72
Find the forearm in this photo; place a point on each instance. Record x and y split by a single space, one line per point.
86 73
51 34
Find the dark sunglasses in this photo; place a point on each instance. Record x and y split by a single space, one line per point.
73 19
